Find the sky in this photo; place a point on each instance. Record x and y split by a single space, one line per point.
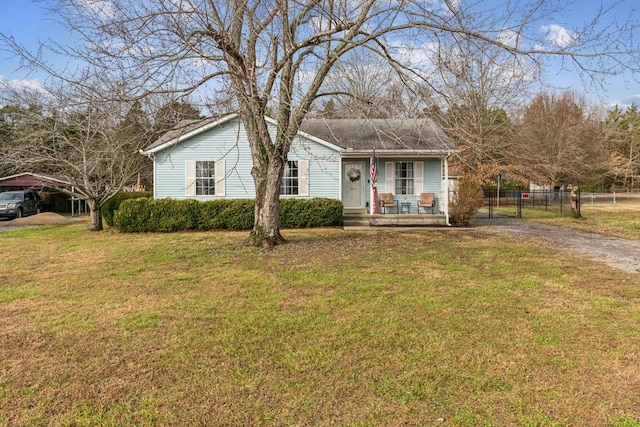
29 22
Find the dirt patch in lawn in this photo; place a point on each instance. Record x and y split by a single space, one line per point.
45 218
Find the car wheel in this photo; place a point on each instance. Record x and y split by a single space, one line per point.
19 214
38 210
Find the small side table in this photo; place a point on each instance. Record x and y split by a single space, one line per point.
405 207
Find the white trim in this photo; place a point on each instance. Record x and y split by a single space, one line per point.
446 190
399 154
155 179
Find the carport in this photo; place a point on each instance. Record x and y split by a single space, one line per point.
53 200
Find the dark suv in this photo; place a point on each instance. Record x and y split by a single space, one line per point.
16 204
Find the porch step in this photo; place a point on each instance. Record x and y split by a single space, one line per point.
356 222
390 220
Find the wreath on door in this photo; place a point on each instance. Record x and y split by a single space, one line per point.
353 174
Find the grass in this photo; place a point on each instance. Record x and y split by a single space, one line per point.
418 328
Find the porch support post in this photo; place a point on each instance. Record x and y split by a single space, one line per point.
372 200
446 189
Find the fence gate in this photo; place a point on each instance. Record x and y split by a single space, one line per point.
516 203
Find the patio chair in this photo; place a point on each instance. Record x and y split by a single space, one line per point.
427 201
386 201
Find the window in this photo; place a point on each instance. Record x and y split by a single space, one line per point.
404 178
205 178
290 179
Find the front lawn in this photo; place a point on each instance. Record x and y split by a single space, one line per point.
412 328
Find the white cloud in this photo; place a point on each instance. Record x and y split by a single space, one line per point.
624 103
558 35
102 8
21 87
418 54
508 37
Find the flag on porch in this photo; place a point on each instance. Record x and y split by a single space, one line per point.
373 177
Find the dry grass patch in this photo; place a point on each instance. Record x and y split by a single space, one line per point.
334 328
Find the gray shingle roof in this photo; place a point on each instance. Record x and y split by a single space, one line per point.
357 135
381 134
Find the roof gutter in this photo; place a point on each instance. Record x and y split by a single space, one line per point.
395 153
149 154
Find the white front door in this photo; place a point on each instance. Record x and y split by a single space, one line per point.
353 180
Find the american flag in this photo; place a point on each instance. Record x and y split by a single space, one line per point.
373 173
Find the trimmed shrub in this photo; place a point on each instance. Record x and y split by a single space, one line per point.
239 214
210 215
305 213
133 215
174 215
109 207
166 215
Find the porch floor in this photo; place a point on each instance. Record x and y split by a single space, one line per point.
393 220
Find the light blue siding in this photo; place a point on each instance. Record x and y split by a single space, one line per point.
431 179
228 141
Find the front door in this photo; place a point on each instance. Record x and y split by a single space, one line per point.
353 179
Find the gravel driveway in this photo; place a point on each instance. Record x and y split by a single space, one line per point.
616 252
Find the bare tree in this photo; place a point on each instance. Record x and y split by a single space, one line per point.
276 54
559 139
88 145
364 85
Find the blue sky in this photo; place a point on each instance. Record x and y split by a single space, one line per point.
29 23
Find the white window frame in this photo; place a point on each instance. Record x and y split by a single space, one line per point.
390 177
191 171
296 185
205 178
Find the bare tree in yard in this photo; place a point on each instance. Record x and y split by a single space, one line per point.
480 87
91 145
8 115
276 54
363 85
560 138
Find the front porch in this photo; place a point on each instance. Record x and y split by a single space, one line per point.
352 219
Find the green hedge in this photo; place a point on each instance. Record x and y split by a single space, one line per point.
166 215
110 206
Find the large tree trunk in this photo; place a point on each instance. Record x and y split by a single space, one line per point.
96 215
268 177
